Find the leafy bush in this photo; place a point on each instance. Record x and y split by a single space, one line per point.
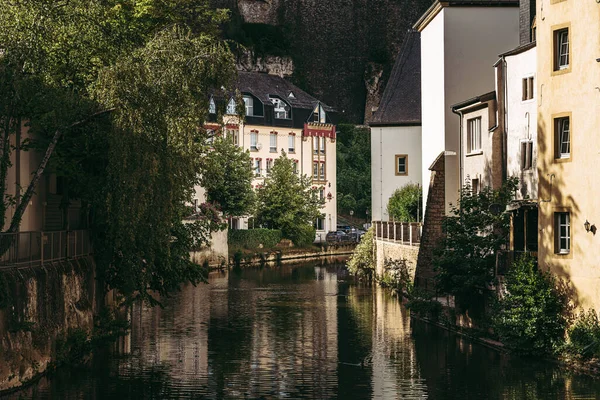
584 335
252 238
303 235
362 262
403 205
531 317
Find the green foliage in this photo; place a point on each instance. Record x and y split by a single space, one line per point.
404 204
303 235
353 169
120 89
287 201
475 231
362 261
584 335
531 317
227 178
252 238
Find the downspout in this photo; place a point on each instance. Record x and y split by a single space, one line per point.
460 152
381 172
505 116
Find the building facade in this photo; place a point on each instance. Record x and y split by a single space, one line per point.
460 41
396 130
281 117
568 88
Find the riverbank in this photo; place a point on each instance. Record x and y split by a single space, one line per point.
288 254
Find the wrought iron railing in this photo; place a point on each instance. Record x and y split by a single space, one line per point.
407 233
33 248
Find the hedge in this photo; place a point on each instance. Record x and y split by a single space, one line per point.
252 238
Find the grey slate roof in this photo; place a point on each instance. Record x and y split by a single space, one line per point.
263 85
401 100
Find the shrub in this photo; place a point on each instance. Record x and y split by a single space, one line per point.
584 335
403 205
531 317
252 238
303 235
362 262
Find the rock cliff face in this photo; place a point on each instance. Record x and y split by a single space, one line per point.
333 43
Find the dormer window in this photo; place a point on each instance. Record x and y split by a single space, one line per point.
281 108
291 95
231 108
212 107
249 103
319 114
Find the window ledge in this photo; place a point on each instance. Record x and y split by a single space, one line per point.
562 71
272 151
562 159
291 151
475 153
253 149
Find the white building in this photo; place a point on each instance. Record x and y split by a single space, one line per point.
396 129
280 116
460 41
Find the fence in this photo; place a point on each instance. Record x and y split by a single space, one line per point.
38 248
407 233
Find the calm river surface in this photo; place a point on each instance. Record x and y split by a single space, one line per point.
300 332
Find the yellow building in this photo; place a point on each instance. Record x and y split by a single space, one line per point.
568 97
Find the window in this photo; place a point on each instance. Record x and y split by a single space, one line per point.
254 141
319 114
291 144
561 49
562 228
269 166
315 170
257 166
320 223
315 145
562 131
322 171
526 155
234 135
249 104
231 108
295 166
212 107
322 148
291 95
282 110
321 193
528 88
474 135
401 164
273 142
210 134
475 186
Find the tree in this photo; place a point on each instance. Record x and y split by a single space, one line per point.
353 169
114 94
474 232
287 201
404 203
227 178
532 316
362 261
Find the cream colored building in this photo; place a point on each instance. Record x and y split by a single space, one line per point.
281 117
568 95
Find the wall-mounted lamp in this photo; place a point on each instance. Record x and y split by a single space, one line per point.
587 225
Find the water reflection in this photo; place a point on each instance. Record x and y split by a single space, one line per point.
299 332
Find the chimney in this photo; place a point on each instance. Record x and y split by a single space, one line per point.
526 14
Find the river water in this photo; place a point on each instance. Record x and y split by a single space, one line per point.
300 332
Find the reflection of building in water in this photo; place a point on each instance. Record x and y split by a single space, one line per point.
295 338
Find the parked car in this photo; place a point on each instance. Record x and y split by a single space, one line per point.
337 236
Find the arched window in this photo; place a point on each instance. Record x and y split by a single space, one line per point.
231 108
249 102
282 109
212 107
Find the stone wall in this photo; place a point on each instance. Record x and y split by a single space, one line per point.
40 306
216 254
333 43
395 252
432 223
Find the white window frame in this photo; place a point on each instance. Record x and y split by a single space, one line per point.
322 145
322 171
273 142
563 137
562 225
269 165
249 105
254 141
279 108
562 49
231 108
212 106
257 167
474 135
291 143
315 170
315 142
397 164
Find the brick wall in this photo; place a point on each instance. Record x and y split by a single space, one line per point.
432 224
